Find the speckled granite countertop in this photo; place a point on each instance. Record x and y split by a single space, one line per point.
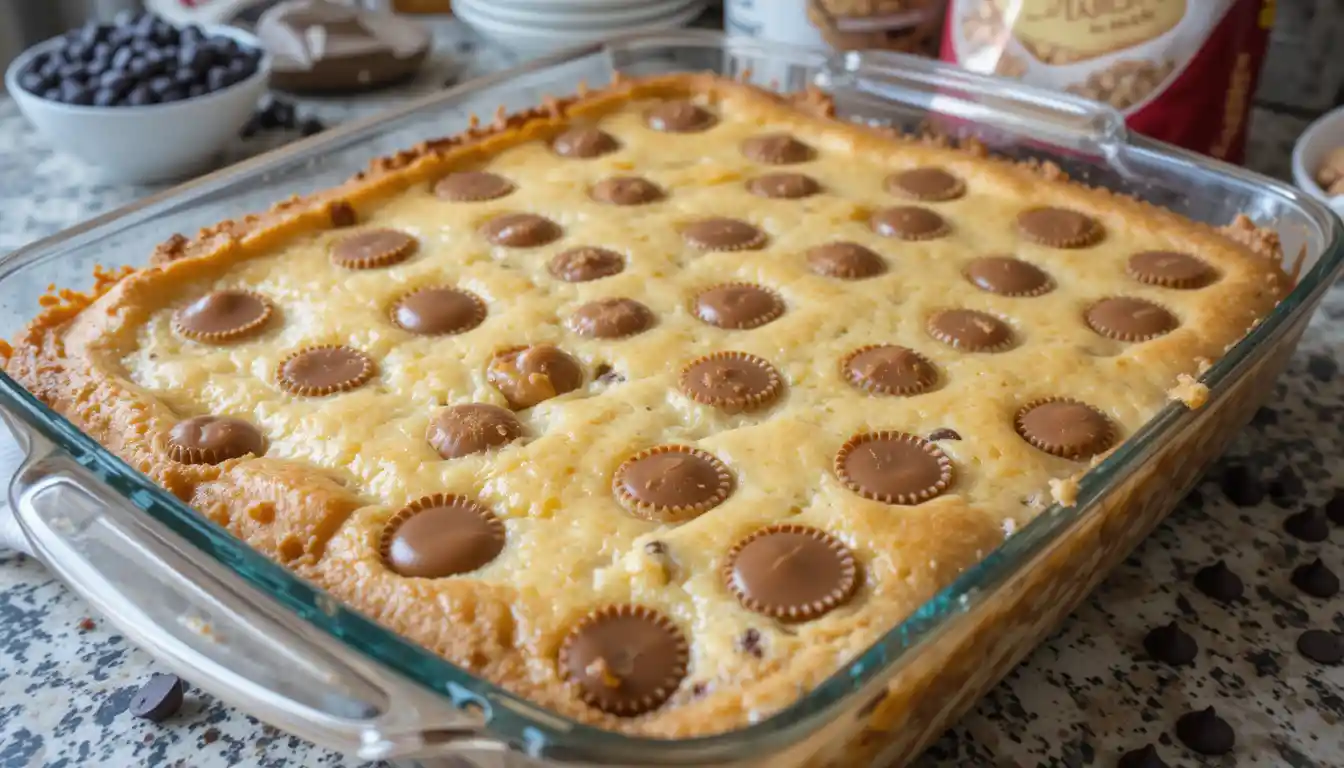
1085 696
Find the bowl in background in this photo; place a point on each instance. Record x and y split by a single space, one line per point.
153 143
1310 151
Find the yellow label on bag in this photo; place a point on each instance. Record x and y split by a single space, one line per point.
1060 31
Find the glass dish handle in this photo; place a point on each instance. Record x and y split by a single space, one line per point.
219 633
1051 117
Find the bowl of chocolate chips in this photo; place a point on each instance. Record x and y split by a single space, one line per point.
138 98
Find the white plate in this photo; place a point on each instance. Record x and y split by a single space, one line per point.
538 40
553 18
549 6
1312 146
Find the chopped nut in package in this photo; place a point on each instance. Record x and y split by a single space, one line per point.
1182 71
906 26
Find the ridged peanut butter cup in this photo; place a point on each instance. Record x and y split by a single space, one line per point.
731 381
438 311
1128 319
909 222
521 230
325 370
624 659
584 143
1170 269
776 149
1059 227
611 318
970 330
791 572
373 249
1065 427
213 439
845 260
783 186
671 483
1007 276
223 316
462 430
738 306
679 117
723 234
929 185
530 375
472 187
893 467
585 263
439 536
626 191
888 369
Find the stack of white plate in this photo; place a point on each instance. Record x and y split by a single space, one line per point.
538 26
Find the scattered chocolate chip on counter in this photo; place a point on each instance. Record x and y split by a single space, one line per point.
158 699
1309 525
1170 645
1334 508
1219 582
1242 486
1143 757
1205 732
1321 646
1316 579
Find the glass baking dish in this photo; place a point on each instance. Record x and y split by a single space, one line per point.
248 630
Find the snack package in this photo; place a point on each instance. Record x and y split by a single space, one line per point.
907 26
1182 71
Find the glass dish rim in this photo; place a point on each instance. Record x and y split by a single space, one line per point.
512 723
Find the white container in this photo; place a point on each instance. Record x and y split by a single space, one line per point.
158 142
537 40
780 21
1309 152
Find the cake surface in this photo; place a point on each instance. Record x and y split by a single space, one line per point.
657 405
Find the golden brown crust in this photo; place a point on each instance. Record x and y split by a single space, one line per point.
72 357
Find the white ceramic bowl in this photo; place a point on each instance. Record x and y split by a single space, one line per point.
535 40
158 142
1309 152
562 17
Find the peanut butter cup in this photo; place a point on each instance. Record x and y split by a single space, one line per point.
438 311
969 330
529 375
776 149
679 117
790 572
928 185
439 536
1059 227
888 369
584 143
845 260
738 306
1170 269
671 483
471 428
893 467
723 234
1007 276
783 186
1065 428
213 439
626 190
223 316
731 381
325 370
612 318
373 248
579 265
1128 319
624 659
909 222
521 230
472 187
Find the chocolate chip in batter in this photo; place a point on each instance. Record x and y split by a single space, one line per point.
472 186
944 433
626 190
584 143
223 316
611 318
791 572
438 311
373 249
845 260
1316 579
325 370
530 375
671 483
893 467
521 230
776 149
1219 582
624 659
213 439
471 428
723 234
440 536
731 381
679 117
925 185
1059 227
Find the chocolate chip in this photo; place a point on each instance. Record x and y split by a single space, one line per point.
846 260
472 186
970 331
721 234
1143 757
731 381
679 117
1219 582
783 186
1241 486
1170 645
671 483
608 375
1321 646
1316 579
888 369
626 190
612 318
1058 227
471 428
943 433
579 265
925 184
791 572
1007 276
223 316
1308 525
342 214
1205 732
521 230
893 467
1128 319
325 370
1170 269
1065 428
158 699
438 311
750 642
373 248
213 439
584 143
624 659
440 536
776 149
530 375
909 222
655 548
1334 508
738 306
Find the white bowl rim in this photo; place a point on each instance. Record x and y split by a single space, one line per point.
89 110
615 19
476 18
